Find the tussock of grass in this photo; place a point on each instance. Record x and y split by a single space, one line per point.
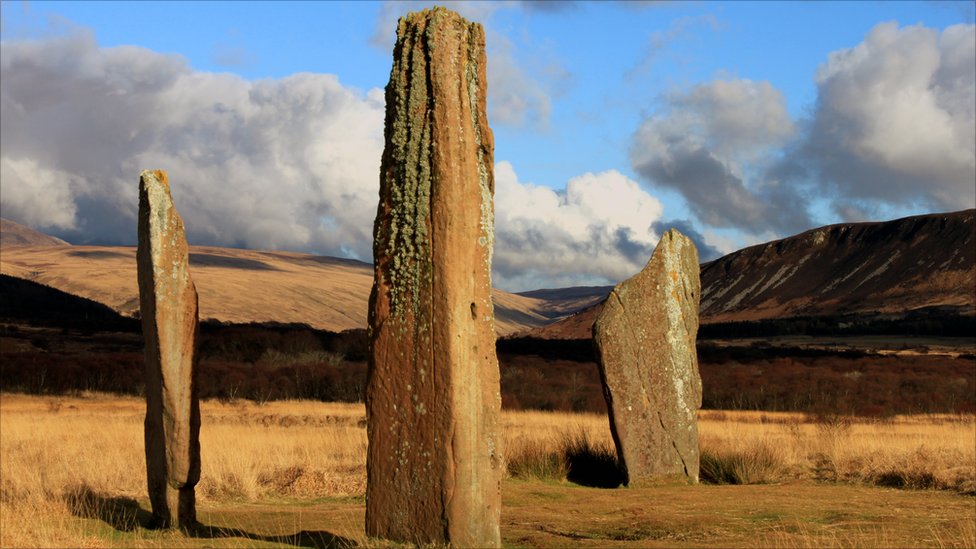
591 463
758 463
575 457
535 461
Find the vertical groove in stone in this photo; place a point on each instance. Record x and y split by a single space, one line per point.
646 348
433 402
169 312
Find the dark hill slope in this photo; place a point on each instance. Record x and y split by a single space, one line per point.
924 263
32 303
919 262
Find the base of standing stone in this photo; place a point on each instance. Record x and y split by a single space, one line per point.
178 510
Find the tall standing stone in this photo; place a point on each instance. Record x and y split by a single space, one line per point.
168 305
645 339
432 399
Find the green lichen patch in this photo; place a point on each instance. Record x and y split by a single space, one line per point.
402 240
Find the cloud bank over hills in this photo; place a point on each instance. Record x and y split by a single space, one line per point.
266 164
292 163
287 164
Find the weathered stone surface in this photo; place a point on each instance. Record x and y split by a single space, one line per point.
645 339
168 305
432 400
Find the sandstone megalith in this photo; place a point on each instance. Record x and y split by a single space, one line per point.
168 306
645 339
432 399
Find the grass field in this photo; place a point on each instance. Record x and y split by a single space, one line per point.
291 473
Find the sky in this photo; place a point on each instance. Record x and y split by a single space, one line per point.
734 122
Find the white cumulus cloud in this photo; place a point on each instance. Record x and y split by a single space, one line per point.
287 163
893 129
596 230
37 196
895 120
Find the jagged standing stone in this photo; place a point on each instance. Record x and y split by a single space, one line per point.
169 311
645 339
432 400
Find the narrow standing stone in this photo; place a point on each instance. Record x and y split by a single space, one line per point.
645 339
432 399
168 306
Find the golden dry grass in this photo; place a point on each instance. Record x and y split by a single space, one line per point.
62 457
922 451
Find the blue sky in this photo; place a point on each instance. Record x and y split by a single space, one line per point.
737 122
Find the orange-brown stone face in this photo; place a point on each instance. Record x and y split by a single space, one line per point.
169 311
434 464
645 338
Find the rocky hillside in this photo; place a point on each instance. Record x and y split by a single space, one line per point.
889 267
925 262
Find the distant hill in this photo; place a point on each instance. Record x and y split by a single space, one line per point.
561 302
890 267
242 286
25 301
920 263
15 234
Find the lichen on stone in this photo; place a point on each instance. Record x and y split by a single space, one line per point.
407 176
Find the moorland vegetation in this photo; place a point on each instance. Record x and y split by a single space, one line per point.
275 362
73 474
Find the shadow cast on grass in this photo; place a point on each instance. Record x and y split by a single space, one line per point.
125 515
592 465
121 513
318 539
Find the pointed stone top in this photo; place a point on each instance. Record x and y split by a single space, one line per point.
154 176
673 238
154 189
432 14
673 233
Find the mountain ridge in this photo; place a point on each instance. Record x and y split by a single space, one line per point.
867 268
915 262
886 267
